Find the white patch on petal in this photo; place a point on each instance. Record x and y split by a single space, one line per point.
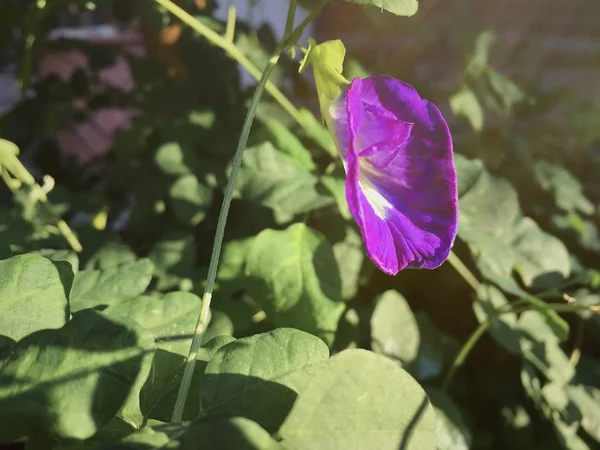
376 200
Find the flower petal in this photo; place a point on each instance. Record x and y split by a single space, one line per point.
401 188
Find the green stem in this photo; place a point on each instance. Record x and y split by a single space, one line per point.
463 271
230 26
202 323
230 48
289 21
482 328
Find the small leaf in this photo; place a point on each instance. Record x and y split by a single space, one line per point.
298 279
464 103
69 382
190 199
394 330
93 288
173 158
565 188
398 7
358 400
259 377
33 295
327 61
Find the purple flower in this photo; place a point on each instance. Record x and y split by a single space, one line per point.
400 176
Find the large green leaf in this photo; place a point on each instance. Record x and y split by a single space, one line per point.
359 400
394 330
92 288
71 381
298 281
172 319
33 295
504 240
158 396
259 377
274 179
235 433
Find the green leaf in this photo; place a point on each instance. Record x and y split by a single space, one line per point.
398 7
69 382
337 187
190 199
286 142
93 288
327 61
452 431
464 103
502 327
585 393
60 255
173 158
507 93
490 205
316 131
541 259
349 255
158 396
503 240
233 433
479 59
359 400
394 330
171 320
566 189
435 349
33 295
111 254
259 377
298 279
173 258
144 439
273 179
469 171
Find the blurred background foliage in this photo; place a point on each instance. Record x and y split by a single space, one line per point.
527 153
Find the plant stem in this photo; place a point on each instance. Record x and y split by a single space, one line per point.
202 323
482 328
463 271
234 53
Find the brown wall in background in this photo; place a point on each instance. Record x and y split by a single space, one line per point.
557 40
